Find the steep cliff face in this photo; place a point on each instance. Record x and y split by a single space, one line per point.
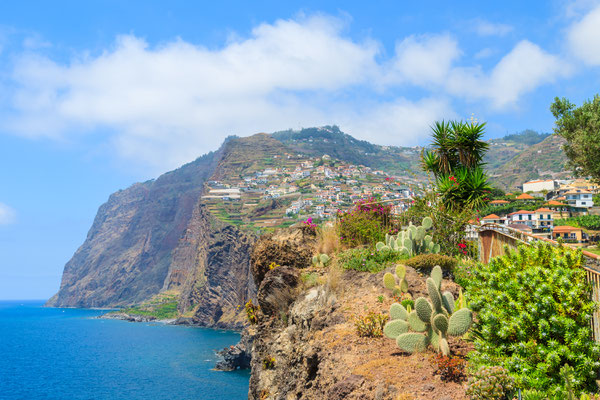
127 253
211 270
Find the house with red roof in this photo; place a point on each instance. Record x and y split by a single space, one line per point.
492 219
525 197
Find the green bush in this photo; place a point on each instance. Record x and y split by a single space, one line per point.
370 325
425 262
367 223
464 272
534 310
490 383
369 260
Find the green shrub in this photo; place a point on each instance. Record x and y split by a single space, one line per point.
367 223
425 262
368 260
370 325
490 383
464 272
534 310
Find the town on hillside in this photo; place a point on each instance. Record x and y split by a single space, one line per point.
296 187
549 209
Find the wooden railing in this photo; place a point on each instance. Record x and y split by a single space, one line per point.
591 264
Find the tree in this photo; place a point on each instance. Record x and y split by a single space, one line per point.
456 161
580 126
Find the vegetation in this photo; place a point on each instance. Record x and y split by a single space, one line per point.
251 312
161 306
426 262
433 320
370 325
491 383
456 162
534 311
450 369
584 221
268 363
367 223
369 260
527 136
397 284
411 241
580 127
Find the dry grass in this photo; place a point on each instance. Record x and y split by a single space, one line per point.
372 369
328 240
334 275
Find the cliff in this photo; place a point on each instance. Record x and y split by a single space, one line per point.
305 345
126 256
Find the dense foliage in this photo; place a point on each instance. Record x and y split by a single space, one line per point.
369 260
580 126
425 262
528 136
366 223
490 383
456 161
584 221
534 311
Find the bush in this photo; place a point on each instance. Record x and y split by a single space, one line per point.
534 310
450 369
268 363
370 325
368 260
490 383
251 312
464 272
367 223
425 262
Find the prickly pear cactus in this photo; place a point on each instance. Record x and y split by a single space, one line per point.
320 260
432 320
396 283
412 241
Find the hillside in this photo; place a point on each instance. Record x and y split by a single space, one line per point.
188 230
511 165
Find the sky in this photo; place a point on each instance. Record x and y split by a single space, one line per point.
96 95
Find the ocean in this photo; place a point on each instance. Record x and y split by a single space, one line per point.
55 353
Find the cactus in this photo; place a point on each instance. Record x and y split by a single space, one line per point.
320 260
398 283
432 320
412 241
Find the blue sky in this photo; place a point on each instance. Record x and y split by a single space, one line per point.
97 95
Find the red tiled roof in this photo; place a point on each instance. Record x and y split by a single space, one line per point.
525 196
566 228
543 210
522 212
491 216
554 203
499 202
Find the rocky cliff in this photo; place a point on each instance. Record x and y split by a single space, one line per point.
305 345
126 256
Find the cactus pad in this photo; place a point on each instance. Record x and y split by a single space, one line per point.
444 348
403 286
448 302
324 258
389 281
412 342
400 271
415 322
427 223
397 311
423 309
460 322
440 322
436 275
395 328
379 245
434 295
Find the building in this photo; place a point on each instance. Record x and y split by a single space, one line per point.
522 217
544 219
559 209
492 219
539 186
568 233
525 197
579 198
499 203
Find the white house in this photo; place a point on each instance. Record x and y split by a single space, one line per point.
539 185
579 198
522 217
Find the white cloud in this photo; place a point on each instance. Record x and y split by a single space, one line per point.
163 105
521 71
487 28
7 214
584 38
425 59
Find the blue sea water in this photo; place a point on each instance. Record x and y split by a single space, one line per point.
53 353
